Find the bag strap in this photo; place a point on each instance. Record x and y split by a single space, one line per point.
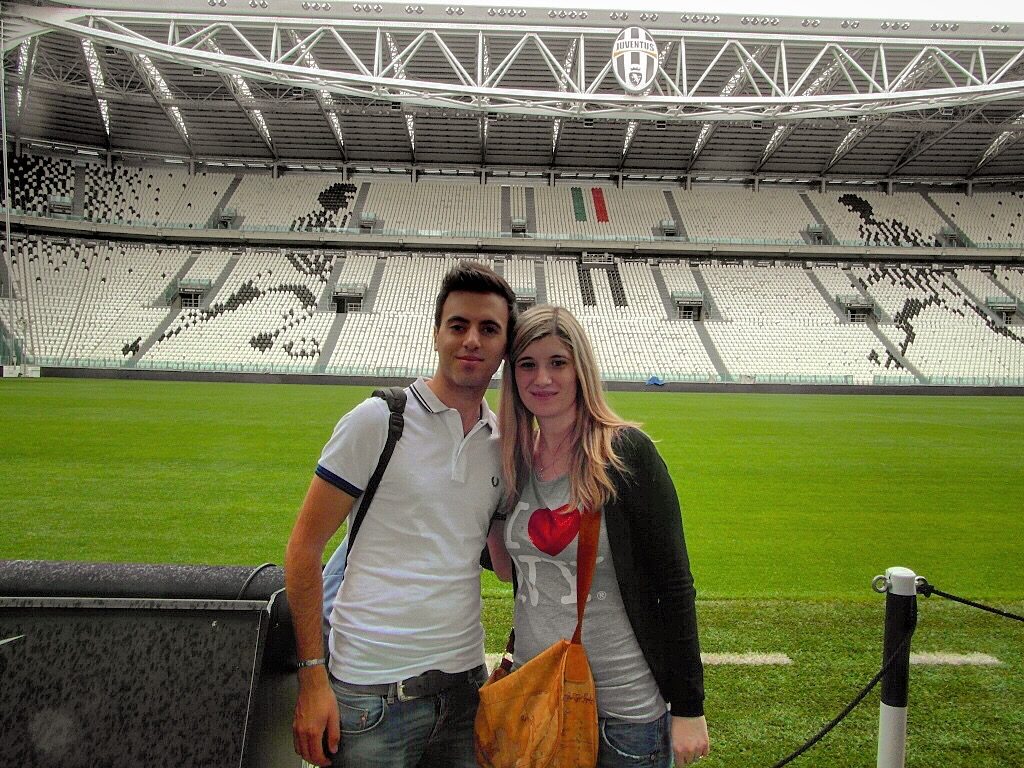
510 648
395 398
586 559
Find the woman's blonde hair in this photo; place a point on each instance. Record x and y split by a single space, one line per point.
592 454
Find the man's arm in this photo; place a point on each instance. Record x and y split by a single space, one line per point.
501 562
316 711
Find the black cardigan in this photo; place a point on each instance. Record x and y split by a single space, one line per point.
645 532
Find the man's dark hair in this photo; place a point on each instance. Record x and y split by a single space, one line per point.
474 277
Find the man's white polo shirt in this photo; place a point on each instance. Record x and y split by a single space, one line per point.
410 600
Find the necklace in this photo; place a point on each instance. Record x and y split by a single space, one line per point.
554 453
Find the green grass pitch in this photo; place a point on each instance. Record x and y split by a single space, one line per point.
791 503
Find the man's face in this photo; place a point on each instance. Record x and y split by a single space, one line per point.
470 341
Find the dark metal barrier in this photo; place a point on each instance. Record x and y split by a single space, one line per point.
156 665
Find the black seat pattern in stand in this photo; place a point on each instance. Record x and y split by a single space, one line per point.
317 265
892 232
333 211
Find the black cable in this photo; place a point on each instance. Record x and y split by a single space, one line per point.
857 699
923 588
926 589
255 572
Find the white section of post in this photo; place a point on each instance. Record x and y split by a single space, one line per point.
892 736
900 600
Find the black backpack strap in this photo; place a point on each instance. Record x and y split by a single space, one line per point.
395 398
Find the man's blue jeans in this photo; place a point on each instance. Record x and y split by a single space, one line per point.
378 732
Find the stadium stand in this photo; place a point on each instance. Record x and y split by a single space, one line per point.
638 348
264 316
938 328
874 218
358 268
521 275
782 352
106 304
303 202
173 198
564 287
679 277
93 302
774 324
33 180
834 280
764 294
1011 279
599 213
435 208
633 340
987 218
723 214
89 302
152 196
396 338
980 285
209 265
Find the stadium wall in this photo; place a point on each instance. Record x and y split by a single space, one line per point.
125 374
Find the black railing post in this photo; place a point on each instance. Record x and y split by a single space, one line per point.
900 615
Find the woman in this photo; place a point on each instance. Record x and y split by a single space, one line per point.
564 450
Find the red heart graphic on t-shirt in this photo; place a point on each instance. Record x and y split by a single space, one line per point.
552 530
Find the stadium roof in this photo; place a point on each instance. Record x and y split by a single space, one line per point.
517 89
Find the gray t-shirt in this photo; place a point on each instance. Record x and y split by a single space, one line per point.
541 536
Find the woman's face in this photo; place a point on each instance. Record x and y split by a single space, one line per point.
546 378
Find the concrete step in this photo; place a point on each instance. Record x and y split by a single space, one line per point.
330 342
211 223
830 300
666 297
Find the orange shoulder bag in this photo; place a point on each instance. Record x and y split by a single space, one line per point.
544 714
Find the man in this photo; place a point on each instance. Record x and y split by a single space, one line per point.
406 647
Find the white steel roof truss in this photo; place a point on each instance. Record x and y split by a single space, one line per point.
1005 140
399 65
483 67
927 139
498 73
453 60
731 87
572 58
323 98
26 65
633 125
399 58
157 88
748 60
96 83
775 94
943 59
920 69
243 97
824 81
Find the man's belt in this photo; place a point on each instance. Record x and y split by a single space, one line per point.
430 683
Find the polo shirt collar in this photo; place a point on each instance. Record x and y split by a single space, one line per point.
425 395
486 414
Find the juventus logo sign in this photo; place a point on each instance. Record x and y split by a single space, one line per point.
635 59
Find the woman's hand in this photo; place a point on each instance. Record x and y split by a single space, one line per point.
689 739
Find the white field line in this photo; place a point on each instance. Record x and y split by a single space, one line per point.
939 658
781 659
745 659
710 659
